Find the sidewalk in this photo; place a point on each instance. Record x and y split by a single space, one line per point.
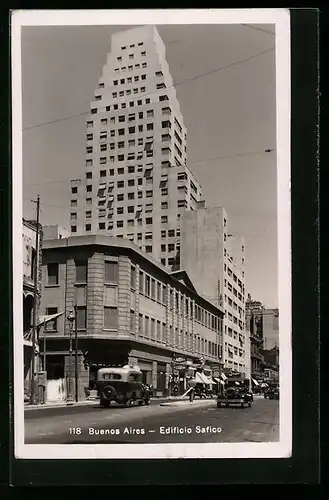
93 401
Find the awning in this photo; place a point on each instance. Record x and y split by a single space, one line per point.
201 378
48 317
255 381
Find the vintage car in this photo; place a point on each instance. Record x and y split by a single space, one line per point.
272 393
123 386
235 396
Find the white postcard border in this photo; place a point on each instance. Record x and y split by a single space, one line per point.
281 19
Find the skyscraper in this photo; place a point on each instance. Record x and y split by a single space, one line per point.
136 183
214 260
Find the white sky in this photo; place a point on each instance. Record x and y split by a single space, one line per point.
229 115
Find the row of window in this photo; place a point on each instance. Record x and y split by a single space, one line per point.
139 44
132 56
148 327
122 93
130 169
123 81
234 319
115 107
233 333
233 304
156 330
230 349
153 289
130 79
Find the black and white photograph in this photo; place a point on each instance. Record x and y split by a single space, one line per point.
151 226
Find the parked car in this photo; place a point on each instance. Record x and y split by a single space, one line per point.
272 393
235 396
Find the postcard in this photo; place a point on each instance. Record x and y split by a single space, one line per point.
152 234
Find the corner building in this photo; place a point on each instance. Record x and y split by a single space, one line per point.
136 183
129 309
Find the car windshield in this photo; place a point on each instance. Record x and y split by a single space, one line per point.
111 376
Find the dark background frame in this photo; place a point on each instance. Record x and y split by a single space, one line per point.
303 467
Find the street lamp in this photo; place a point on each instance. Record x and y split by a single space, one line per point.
70 319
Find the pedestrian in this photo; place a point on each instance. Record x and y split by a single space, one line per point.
191 394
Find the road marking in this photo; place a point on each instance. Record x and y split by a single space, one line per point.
46 433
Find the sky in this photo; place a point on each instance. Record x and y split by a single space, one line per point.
225 82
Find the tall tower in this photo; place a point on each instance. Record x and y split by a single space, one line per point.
136 182
214 259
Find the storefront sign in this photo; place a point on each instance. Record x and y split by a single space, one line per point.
179 367
179 360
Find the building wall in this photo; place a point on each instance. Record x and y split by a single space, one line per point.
271 328
29 240
218 274
129 187
153 313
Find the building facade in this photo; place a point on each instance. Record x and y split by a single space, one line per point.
29 237
271 364
254 328
271 328
129 309
207 256
136 183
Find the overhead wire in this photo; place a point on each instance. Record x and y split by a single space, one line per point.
200 160
174 85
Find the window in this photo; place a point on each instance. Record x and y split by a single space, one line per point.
52 274
115 82
89 162
81 272
148 249
131 130
111 272
133 277
130 223
102 173
131 56
171 233
143 53
163 98
88 214
119 58
149 126
89 188
144 65
164 192
81 317
164 205
51 325
89 149
164 219
147 285
149 220
110 318
147 101
74 215
149 194
120 184
171 247
131 196
163 248
121 157
93 111
101 225
120 223
90 124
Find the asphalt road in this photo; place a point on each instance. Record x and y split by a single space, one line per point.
199 422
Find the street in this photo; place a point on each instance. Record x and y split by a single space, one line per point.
179 422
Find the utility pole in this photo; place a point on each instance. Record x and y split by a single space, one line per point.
35 302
